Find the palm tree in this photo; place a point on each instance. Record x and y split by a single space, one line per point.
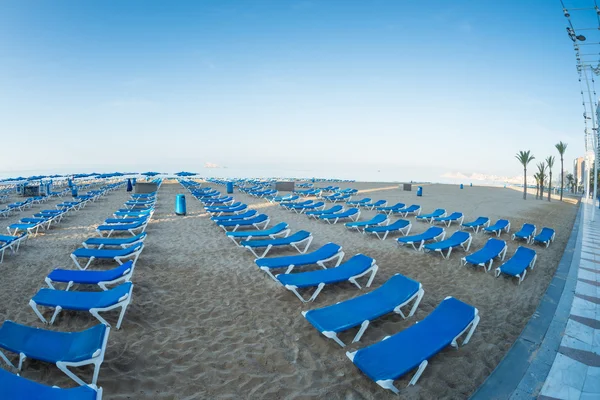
524 158
541 176
550 162
570 182
561 147
536 176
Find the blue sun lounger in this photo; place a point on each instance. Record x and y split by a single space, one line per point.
546 236
288 204
458 238
498 227
107 254
517 265
326 253
281 229
390 297
134 228
438 212
64 349
14 387
378 203
296 240
378 219
259 222
434 233
411 348
480 222
246 215
493 248
413 209
448 220
401 225
353 269
102 278
11 242
316 206
390 209
527 232
93 302
219 211
31 228
102 242
123 213
331 210
351 213
359 203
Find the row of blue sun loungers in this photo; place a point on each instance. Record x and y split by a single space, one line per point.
66 349
451 320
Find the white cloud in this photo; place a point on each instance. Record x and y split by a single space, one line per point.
208 164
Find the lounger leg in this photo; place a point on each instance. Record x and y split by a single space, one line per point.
37 312
420 294
417 374
56 312
333 335
316 293
361 331
6 360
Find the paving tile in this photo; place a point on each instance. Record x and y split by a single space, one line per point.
583 308
586 289
592 381
565 374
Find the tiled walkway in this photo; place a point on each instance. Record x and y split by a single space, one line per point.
575 372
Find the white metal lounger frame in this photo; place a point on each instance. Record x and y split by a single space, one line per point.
339 256
257 225
448 222
519 276
487 268
283 233
447 256
354 217
499 231
30 230
123 302
119 259
97 359
405 231
439 237
372 270
308 207
476 228
296 245
365 324
528 239
389 383
371 205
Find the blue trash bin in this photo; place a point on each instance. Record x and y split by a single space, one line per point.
461 186
229 187
180 204
471 184
133 181
74 191
419 191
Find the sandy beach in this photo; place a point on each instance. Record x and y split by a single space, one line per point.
206 323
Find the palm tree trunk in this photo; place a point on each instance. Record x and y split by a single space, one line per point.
537 190
562 177
524 183
549 186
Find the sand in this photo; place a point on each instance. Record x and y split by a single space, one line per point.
206 323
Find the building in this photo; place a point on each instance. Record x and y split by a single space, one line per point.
579 170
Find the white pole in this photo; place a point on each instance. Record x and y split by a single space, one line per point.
594 141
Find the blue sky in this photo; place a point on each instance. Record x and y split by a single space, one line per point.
414 89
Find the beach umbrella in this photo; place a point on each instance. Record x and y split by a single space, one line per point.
184 173
129 186
150 173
